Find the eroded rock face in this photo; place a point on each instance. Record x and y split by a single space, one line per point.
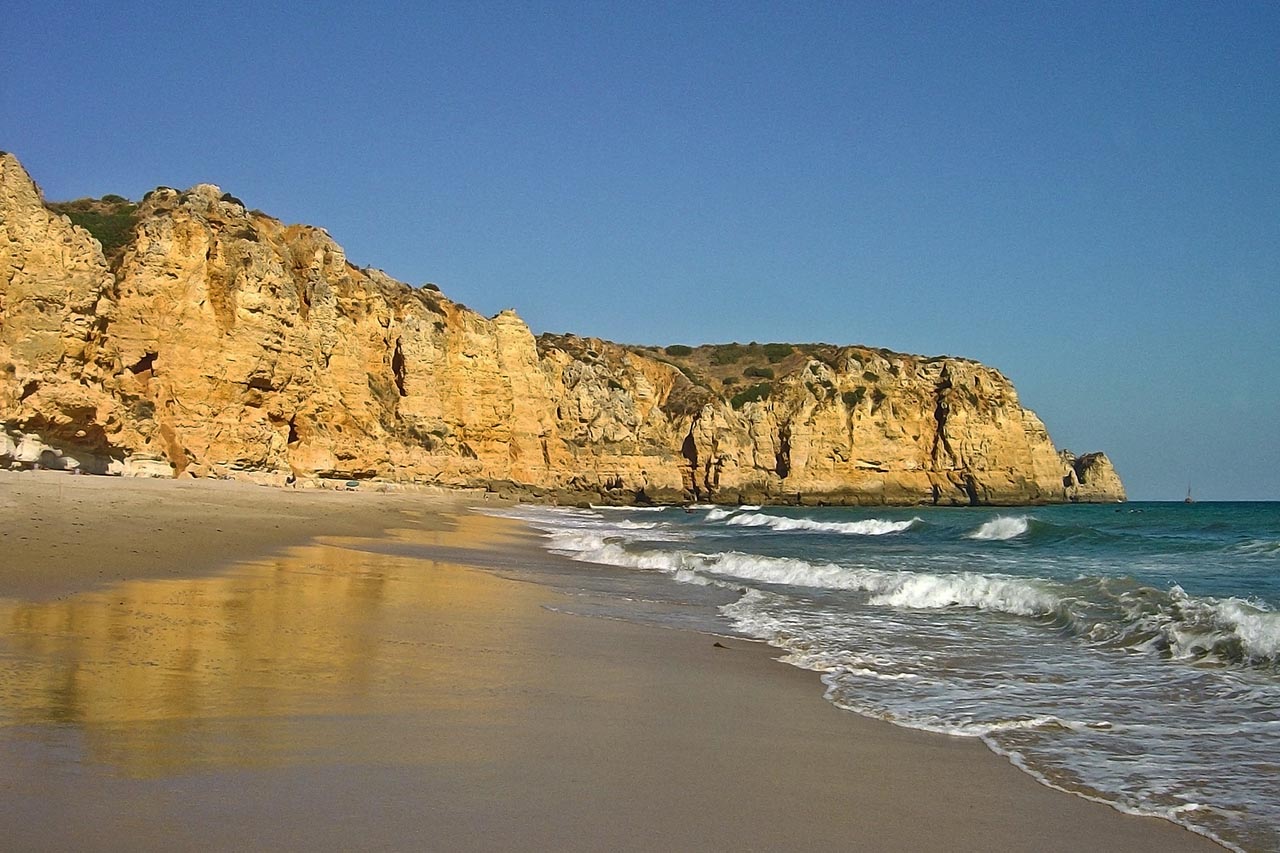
55 304
848 425
225 343
1091 478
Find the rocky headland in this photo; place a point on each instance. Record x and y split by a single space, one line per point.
194 337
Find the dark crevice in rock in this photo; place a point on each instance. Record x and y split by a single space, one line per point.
689 450
782 460
942 454
144 364
397 368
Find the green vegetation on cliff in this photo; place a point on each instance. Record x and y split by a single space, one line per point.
109 219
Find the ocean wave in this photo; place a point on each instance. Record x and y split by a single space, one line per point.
1231 630
1184 627
985 592
843 694
1104 612
1002 528
901 589
629 508
568 521
628 524
599 547
719 514
1258 548
1040 722
864 527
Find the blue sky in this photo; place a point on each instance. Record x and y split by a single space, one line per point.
1086 196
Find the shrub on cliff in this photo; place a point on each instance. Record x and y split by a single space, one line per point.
777 352
727 354
109 219
679 350
751 395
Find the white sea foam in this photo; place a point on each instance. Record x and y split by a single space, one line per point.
1259 548
1258 630
750 507
1003 527
985 592
1195 627
914 590
719 514
628 524
864 527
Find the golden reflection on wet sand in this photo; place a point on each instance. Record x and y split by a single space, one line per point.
292 660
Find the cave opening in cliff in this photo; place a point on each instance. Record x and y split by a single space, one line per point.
782 460
397 369
689 450
144 364
941 411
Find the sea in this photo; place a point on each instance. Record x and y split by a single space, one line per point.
1126 653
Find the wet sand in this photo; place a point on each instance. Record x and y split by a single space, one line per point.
183 666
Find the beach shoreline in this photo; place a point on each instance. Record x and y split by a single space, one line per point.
238 666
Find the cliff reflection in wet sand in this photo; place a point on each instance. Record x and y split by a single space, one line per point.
287 661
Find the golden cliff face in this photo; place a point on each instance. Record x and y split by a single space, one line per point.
220 342
55 302
841 425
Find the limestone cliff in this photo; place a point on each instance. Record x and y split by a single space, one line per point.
218 341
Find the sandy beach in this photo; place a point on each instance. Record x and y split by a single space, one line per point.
213 665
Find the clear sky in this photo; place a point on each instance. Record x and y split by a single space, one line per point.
1084 195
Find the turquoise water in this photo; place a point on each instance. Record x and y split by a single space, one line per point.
1127 653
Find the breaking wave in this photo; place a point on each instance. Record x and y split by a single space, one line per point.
598 507
1003 527
901 589
864 527
628 524
1186 627
1259 548
984 592
1168 623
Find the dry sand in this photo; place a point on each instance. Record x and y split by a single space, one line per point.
182 668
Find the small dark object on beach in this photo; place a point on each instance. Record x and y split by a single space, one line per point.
719 645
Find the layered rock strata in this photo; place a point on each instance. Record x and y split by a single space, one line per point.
221 342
